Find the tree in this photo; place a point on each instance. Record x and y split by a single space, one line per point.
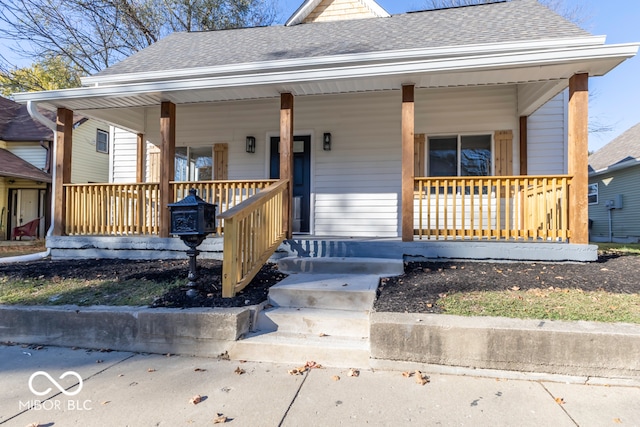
90 35
51 73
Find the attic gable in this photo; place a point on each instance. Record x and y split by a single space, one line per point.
336 10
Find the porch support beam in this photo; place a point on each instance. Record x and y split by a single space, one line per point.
141 157
64 139
286 159
524 120
578 157
408 147
167 166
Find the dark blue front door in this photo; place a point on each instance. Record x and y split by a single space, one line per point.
301 178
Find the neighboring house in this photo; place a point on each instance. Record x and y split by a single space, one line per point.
25 165
614 190
461 124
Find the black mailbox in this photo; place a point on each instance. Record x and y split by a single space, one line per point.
192 216
192 219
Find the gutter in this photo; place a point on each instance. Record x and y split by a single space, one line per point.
36 115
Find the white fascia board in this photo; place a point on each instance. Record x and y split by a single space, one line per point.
616 167
303 11
439 65
335 60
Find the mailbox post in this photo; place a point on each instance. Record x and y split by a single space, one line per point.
192 219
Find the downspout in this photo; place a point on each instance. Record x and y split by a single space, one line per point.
36 115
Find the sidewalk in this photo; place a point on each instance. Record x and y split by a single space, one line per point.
129 389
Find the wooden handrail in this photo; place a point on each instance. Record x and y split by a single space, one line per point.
253 231
494 208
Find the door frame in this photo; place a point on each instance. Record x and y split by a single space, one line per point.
312 169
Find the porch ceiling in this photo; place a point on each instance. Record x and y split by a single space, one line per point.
538 73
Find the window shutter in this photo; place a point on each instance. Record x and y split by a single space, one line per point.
419 155
503 140
221 161
153 167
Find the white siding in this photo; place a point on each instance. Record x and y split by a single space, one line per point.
87 164
547 135
356 186
30 152
124 151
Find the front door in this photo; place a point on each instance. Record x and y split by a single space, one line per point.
301 178
25 205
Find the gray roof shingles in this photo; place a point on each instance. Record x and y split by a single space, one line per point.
624 147
516 20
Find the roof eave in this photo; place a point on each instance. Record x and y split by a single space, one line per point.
600 58
615 167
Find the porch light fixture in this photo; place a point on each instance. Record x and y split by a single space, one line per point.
326 142
251 144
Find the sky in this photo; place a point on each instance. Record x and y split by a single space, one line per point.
615 98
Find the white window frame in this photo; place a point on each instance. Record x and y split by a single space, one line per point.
106 134
592 193
459 136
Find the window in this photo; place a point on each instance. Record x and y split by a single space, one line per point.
193 164
592 194
102 141
461 155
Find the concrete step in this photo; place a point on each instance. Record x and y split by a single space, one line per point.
314 321
342 265
331 291
297 349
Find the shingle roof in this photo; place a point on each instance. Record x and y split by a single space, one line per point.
516 20
13 166
624 147
17 125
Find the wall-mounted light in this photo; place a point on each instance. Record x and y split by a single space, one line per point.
326 142
251 144
12 181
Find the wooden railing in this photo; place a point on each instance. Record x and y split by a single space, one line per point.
133 209
253 231
112 209
493 208
225 194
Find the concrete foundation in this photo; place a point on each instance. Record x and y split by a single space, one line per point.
146 247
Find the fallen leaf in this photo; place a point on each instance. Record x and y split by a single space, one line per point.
353 373
34 425
335 378
604 269
407 374
421 378
429 305
322 334
560 401
515 288
106 402
151 370
99 361
313 365
239 371
294 372
617 420
195 399
199 370
220 419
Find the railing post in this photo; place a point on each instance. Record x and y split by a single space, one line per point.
230 258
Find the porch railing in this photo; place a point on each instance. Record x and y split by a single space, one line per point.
253 231
225 194
493 208
133 209
112 209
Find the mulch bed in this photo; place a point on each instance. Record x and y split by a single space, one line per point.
417 291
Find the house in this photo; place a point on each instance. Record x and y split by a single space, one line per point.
348 123
26 147
614 193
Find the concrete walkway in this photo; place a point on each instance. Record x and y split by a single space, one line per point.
130 389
